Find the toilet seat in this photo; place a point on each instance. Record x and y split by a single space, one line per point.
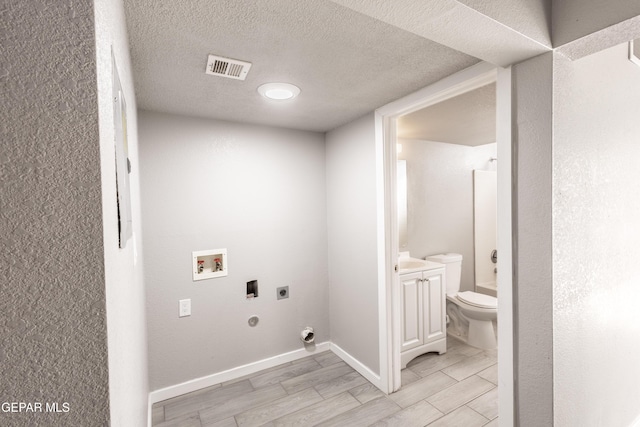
478 300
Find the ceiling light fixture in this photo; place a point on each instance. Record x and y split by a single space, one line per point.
279 91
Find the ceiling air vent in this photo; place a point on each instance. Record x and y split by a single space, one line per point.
225 67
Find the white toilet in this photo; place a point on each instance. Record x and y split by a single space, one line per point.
471 314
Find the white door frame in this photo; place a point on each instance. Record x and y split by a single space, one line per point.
388 289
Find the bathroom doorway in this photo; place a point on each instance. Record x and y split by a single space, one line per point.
387 119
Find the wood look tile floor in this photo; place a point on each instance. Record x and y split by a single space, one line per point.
458 388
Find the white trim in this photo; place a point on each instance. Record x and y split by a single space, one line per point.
149 411
363 370
384 321
385 118
636 422
233 373
463 81
632 56
506 397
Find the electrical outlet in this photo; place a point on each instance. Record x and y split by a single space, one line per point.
185 307
283 292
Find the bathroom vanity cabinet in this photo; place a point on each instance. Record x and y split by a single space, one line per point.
423 304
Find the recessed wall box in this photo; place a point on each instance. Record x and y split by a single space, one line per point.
252 289
209 264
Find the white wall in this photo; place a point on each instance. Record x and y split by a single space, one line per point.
596 225
352 240
125 291
259 192
532 269
440 199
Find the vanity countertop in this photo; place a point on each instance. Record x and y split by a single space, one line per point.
412 265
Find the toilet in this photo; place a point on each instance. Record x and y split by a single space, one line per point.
471 314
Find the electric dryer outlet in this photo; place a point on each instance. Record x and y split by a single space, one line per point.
282 292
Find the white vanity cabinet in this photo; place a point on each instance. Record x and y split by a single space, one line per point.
423 305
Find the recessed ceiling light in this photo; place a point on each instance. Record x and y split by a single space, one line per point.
279 91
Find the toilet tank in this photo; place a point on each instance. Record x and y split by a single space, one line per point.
453 270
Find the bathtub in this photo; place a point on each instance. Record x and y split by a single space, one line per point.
487 288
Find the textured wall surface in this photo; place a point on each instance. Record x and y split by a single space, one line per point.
440 199
529 17
353 245
260 193
596 226
126 314
52 309
532 116
474 27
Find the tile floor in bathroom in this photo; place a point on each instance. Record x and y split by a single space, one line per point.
458 388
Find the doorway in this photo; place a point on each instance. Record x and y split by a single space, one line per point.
389 292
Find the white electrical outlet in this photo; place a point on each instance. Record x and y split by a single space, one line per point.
185 307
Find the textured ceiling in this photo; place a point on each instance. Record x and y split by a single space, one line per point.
346 63
467 119
480 28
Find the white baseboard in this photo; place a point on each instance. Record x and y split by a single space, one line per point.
363 370
231 374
